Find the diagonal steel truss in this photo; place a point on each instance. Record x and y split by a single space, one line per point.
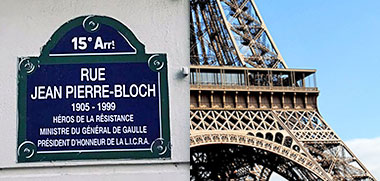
231 32
251 143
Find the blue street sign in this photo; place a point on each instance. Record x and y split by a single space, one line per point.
93 93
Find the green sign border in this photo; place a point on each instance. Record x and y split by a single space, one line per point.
160 148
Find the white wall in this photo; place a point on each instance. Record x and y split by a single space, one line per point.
162 25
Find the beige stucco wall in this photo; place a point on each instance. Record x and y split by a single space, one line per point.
162 25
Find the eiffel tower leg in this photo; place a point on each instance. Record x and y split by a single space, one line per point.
318 157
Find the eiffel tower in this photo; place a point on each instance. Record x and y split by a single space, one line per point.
251 115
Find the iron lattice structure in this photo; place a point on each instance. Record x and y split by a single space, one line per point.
251 115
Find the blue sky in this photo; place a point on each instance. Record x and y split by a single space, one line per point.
339 38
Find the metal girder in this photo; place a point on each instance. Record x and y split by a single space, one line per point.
231 32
